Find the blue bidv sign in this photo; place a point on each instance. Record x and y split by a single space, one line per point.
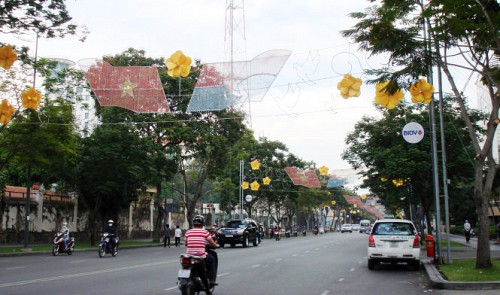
413 132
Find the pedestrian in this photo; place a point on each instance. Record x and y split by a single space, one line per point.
467 229
498 233
166 236
178 234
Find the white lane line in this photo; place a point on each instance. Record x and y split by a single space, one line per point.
279 259
222 274
17 267
171 288
82 274
255 265
326 292
341 279
353 269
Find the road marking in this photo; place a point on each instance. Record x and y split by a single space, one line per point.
171 288
352 269
17 267
255 265
341 279
326 292
223 274
279 259
82 274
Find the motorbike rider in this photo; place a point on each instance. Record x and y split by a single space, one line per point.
195 239
65 233
112 231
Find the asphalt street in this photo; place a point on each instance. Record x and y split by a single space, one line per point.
333 263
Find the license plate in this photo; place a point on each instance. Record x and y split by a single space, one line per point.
393 245
184 273
229 236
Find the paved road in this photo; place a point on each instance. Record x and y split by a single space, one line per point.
322 265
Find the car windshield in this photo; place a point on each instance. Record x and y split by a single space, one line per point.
235 224
393 228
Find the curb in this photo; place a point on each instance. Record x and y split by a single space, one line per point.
438 282
32 253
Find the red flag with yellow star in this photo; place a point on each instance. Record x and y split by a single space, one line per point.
138 89
307 178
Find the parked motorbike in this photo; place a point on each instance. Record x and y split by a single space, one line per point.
106 247
58 245
193 275
304 232
287 232
315 231
295 232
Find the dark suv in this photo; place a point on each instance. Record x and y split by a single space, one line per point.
239 231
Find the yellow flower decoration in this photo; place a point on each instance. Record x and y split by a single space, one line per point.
245 185
363 197
178 64
255 165
255 185
349 86
398 182
334 202
266 180
323 170
421 91
387 100
31 98
383 179
6 111
7 56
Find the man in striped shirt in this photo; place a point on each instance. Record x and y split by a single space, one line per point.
196 239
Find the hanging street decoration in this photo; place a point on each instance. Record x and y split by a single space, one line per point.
178 64
254 185
307 178
245 185
421 91
266 180
31 98
334 182
7 56
255 165
226 84
136 88
387 100
349 86
6 111
323 170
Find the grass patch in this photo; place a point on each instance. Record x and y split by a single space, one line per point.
464 270
452 244
39 248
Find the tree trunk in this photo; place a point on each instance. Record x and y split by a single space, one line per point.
481 197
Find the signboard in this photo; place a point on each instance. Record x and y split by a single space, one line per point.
413 132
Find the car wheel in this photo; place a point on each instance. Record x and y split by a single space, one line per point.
371 264
245 241
416 265
256 242
233 245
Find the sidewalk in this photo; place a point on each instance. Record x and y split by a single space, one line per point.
469 251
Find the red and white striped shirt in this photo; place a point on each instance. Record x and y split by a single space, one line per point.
195 241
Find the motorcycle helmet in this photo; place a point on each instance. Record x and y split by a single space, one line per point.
198 220
110 221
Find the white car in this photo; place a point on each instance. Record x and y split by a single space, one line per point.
394 241
346 227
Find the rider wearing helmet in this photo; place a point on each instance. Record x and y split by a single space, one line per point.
196 239
112 231
65 232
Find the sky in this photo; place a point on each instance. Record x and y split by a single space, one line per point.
303 107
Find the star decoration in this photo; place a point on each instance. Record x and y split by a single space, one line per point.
244 185
266 180
255 165
127 87
255 185
323 170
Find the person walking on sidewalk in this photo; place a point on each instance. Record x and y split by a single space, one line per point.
178 234
467 229
166 236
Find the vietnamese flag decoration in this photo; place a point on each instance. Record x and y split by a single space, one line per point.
136 88
307 178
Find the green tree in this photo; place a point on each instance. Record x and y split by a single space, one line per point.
376 146
113 168
459 35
